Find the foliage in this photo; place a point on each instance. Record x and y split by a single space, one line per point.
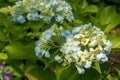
17 42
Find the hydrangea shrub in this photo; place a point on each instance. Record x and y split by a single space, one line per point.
59 40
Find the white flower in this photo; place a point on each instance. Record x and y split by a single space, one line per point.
93 43
71 58
87 64
101 57
84 41
58 59
80 70
108 45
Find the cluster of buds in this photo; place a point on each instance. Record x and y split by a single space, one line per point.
46 10
5 74
82 46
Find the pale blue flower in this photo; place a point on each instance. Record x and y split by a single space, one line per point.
33 16
59 8
19 19
60 18
47 19
47 54
71 18
67 34
76 30
53 2
39 55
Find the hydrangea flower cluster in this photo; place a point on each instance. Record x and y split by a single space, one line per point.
46 41
82 46
5 74
47 10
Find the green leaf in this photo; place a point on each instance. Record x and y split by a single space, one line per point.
97 67
91 9
65 72
108 15
114 22
3 37
41 74
118 71
105 67
115 42
83 4
18 51
3 56
90 74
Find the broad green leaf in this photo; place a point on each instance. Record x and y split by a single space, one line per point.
108 15
115 42
91 9
83 4
90 74
19 51
41 74
30 77
115 21
65 72
109 77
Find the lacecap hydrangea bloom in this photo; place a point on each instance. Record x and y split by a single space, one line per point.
82 46
46 10
5 74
